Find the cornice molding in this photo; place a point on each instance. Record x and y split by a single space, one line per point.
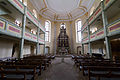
68 17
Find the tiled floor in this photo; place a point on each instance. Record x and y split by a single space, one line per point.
62 70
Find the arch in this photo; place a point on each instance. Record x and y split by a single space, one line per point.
47 50
78 50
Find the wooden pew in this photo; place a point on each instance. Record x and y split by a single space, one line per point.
22 72
104 73
38 64
15 75
78 61
86 65
44 63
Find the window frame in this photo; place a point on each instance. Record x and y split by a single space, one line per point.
35 13
78 38
48 31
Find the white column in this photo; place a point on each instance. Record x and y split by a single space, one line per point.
55 39
71 37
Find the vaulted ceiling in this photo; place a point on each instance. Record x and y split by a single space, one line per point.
62 10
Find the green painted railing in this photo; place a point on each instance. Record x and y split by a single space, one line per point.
41 41
95 14
100 33
114 28
107 3
28 35
2 24
32 17
18 4
34 37
84 26
93 36
31 37
42 28
10 28
85 40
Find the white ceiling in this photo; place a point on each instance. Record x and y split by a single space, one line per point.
62 10
63 6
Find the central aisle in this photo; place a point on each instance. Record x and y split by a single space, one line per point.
61 70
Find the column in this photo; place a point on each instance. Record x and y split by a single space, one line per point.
89 44
71 36
82 48
37 46
44 44
107 40
55 38
23 31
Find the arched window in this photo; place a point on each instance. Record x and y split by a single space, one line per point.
34 13
78 30
21 0
25 2
48 30
92 9
62 25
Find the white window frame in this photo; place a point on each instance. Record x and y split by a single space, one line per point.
48 31
78 36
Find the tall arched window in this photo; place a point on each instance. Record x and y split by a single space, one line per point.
78 30
34 13
92 10
25 2
21 0
48 30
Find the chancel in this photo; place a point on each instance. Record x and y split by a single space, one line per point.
59 39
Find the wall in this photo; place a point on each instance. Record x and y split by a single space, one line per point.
68 32
26 49
5 48
115 45
76 44
85 48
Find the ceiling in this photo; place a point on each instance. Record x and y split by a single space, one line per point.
62 10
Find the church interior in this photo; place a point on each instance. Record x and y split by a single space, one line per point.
59 39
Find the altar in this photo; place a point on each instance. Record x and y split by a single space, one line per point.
63 51
63 42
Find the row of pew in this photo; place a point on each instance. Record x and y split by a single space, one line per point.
27 68
97 68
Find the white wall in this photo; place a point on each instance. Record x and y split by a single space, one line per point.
27 49
5 49
85 48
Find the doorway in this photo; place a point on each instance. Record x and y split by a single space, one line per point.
47 50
